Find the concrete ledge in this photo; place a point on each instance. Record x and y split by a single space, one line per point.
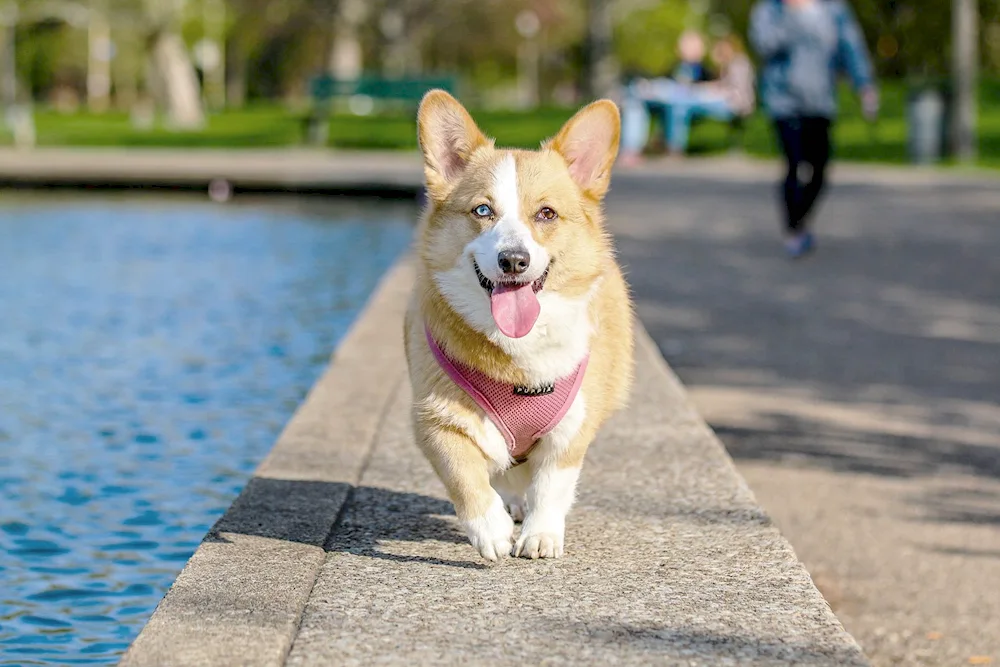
394 174
343 550
284 170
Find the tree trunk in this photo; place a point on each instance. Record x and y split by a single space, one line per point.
601 67
8 47
236 80
215 33
965 61
99 60
346 59
177 81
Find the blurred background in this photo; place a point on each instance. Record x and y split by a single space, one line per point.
348 73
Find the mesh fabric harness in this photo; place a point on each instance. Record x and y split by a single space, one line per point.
522 418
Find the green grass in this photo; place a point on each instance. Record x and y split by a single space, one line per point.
275 126
271 126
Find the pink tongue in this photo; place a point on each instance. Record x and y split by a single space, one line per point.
515 309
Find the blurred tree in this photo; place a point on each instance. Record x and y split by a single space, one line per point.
647 33
965 74
279 43
990 12
272 47
601 66
48 57
172 78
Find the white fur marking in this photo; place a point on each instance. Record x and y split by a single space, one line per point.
550 496
509 232
493 533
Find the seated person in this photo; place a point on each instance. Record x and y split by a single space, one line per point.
729 97
691 69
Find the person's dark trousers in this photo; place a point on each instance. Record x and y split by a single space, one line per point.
803 139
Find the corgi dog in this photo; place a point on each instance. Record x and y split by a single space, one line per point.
519 331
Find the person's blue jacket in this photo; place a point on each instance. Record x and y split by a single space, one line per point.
803 50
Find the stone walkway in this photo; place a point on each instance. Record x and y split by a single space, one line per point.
343 551
858 389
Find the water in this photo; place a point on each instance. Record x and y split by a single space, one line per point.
150 352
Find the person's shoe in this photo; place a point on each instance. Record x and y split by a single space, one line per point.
799 245
808 242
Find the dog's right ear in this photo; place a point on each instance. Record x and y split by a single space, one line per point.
448 137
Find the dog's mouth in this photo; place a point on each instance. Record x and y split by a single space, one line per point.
513 303
489 285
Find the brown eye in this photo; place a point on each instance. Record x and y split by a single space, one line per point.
546 213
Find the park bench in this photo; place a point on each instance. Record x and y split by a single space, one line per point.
735 130
362 94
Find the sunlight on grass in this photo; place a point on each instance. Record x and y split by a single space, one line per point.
264 126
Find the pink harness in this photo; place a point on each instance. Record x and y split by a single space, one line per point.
522 415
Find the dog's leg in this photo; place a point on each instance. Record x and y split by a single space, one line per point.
550 496
555 467
465 473
512 485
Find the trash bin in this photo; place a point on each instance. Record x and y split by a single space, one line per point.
927 124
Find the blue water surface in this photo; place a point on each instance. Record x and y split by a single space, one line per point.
150 351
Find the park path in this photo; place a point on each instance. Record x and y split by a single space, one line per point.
343 550
857 390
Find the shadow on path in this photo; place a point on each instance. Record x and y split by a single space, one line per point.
666 642
897 315
340 518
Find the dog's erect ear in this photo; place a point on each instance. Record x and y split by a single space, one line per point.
448 137
589 144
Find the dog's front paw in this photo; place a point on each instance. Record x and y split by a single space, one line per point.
539 545
493 533
539 541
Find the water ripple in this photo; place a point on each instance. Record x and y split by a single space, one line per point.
151 350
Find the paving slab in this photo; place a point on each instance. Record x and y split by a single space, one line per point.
343 550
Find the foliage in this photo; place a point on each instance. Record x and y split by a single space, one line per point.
274 46
646 37
270 125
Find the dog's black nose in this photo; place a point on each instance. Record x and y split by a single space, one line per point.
513 261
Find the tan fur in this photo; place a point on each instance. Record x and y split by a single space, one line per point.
459 164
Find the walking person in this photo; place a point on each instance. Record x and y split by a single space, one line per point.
804 45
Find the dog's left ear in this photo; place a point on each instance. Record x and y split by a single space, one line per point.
589 144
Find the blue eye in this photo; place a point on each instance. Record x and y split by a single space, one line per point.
482 211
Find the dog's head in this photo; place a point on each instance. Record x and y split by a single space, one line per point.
508 228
